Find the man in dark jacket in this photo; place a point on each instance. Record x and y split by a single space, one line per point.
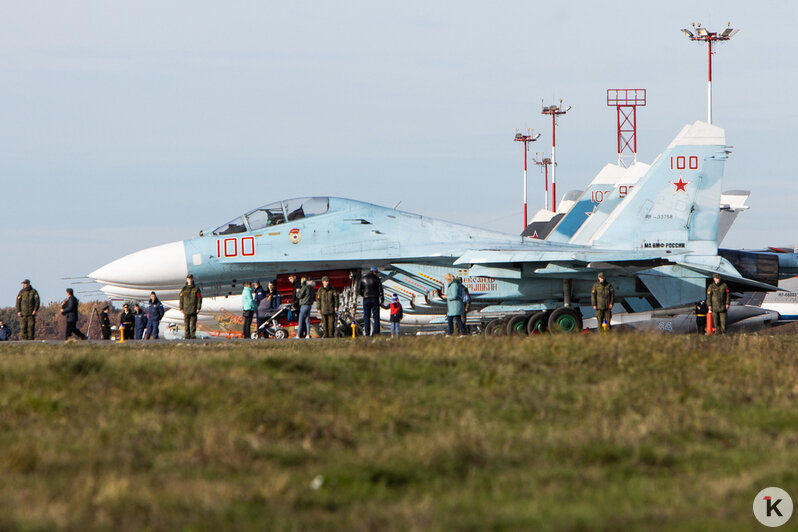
127 322
258 295
718 300
370 289
5 332
306 297
140 321
296 286
105 323
327 304
602 297
268 305
69 308
155 312
190 305
27 306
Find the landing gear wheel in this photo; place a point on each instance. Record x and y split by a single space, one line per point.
495 327
538 323
281 334
516 326
565 320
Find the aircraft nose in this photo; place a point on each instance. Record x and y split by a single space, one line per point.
163 265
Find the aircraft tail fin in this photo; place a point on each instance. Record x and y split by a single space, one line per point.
674 206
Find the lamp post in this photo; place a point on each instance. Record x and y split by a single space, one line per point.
554 111
703 35
526 139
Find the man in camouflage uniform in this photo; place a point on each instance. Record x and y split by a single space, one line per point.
602 297
327 303
190 305
718 301
27 306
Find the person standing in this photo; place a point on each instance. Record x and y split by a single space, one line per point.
27 306
370 289
155 312
396 315
140 321
327 303
127 322
69 308
701 309
268 307
105 323
5 332
718 300
258 295
602 297
190 305
247 308
306 296
454 304
296 286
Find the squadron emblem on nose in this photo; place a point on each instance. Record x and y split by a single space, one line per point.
294 236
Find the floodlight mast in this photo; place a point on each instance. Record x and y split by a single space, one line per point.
554 111
626 102
544 162
526 139
702 34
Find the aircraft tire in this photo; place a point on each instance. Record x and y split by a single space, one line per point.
516 326
495 327
538 323
565 320
281 334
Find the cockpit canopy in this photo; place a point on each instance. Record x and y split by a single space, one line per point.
275 214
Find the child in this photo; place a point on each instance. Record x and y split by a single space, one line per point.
396 315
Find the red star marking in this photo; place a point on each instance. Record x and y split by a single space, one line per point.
680 185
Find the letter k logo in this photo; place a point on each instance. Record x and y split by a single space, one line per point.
772 506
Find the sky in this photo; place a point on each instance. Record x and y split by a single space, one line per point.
125 125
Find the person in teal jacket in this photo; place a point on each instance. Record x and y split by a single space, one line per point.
248 306
454 303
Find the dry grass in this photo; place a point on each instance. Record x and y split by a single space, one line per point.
569 433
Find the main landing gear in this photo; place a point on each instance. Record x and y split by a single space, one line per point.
565 319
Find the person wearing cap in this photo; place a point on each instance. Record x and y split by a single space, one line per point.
105 323
5 332
28 304
127 321
370 289
396 315
718 301
602 297
69 308
140 319
327 303
155 312
190 305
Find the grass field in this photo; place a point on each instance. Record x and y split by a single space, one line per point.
565 433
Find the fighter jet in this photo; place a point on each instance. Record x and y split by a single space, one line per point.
659 241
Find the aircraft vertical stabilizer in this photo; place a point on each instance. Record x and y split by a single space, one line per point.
674 207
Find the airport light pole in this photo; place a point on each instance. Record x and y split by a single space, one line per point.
544 162
554 111
703 35
526 139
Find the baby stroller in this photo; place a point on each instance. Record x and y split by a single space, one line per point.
272 325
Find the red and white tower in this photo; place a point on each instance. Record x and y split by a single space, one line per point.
704 35
526 139
544 163
626 102
554 111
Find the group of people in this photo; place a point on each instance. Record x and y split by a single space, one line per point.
264 304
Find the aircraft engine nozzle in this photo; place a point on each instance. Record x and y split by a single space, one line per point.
159 266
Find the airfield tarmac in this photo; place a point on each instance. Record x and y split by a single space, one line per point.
625 431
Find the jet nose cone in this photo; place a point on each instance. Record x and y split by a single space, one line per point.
163 265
